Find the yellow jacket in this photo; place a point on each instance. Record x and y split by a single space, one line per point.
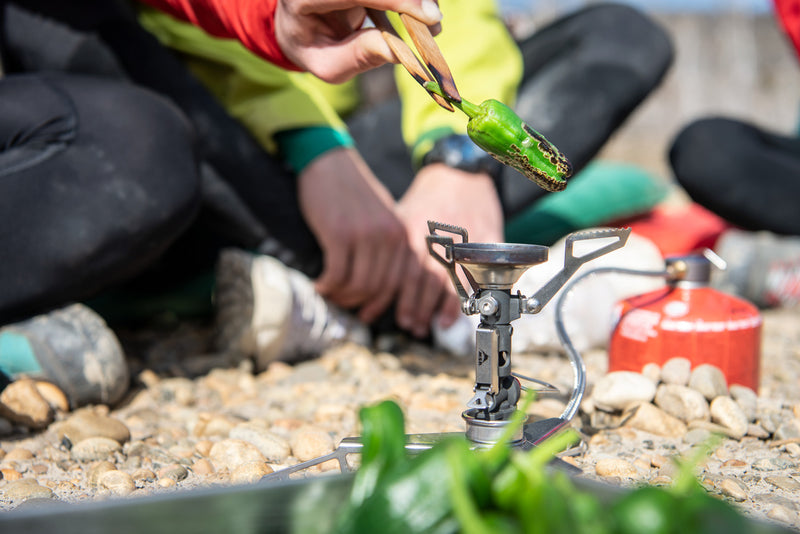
297 116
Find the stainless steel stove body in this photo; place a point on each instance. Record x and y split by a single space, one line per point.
491 270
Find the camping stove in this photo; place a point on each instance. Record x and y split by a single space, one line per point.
491 270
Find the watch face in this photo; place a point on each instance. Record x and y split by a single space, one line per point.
459 152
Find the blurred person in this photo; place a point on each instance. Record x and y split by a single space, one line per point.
576 82
106 178
750 177
318 222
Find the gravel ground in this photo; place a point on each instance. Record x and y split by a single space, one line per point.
194 419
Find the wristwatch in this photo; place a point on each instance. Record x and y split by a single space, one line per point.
459 152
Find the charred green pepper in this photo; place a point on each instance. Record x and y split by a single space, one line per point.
499 131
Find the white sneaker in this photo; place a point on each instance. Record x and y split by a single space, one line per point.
763 268
272 312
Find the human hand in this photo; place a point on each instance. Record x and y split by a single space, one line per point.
326 38
363 241
451 196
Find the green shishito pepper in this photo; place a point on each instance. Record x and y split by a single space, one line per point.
499 131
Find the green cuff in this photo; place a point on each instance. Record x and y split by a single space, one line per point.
300 146
425 144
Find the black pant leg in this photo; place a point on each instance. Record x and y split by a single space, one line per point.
263 185
583 76
740 172
97 178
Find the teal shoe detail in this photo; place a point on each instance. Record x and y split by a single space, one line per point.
17 356
71 347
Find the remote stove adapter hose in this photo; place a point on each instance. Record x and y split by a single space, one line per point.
575 358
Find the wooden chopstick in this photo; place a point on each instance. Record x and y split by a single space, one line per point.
431 54
404 54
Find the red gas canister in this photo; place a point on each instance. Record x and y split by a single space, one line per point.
688 319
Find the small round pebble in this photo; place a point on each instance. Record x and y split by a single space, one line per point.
26 488
622 389
250 472
781 514
676 371
22 403
212 425
652 371
650 418
53 395
203 447
143 475
793 449
18 454
785 483
176 472
726 412
708 380
615 467
90 423
92 449
272 446
309 443
203 467
10 474
231 453
747 400
119 482
733 489
97 470
684 403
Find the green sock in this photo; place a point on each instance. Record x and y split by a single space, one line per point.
603 192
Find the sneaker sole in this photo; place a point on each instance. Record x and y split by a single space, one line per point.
253 305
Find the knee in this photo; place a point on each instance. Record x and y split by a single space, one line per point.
629 35
706 147
166 166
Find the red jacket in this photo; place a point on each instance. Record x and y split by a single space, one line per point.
250 21
253 22
789 14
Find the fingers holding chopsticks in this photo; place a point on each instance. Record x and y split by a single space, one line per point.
326 37
426 11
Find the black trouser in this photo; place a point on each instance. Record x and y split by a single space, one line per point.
97 178
241 190
583 75
742 173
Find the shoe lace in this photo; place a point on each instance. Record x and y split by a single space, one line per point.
315 324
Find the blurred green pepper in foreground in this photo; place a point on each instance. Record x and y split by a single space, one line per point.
495 128
452 488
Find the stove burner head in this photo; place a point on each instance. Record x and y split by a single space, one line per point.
497 265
